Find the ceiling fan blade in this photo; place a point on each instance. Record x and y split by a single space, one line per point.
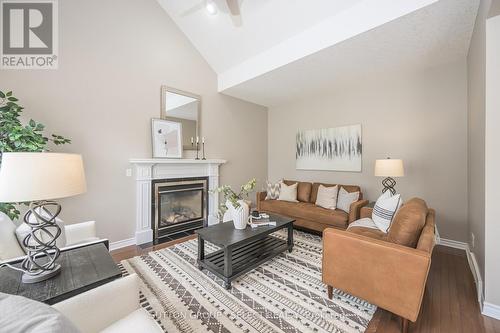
234 7
193 9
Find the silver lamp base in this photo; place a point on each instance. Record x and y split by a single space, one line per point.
42 252
42 276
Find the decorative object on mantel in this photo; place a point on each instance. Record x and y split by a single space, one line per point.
235 204
167 138
18 137
203 145
39 178
389 168
336 149
198 146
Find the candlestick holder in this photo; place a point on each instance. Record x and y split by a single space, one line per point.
197 150
203 148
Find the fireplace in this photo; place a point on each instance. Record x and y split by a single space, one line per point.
178 206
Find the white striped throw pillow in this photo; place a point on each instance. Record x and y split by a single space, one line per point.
385 209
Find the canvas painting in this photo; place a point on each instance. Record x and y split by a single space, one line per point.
167 138
335 149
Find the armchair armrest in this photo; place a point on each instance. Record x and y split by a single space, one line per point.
260 197
98 308
80 232
355 209
365 212
389 275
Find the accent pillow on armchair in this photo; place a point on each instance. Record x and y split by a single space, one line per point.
385 209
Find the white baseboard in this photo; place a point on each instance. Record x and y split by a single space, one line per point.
121 243
491 310
473 265
454 244
476 273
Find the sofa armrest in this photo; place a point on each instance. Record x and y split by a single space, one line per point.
260 197
355 209
388 275
98 308
80 232
365 212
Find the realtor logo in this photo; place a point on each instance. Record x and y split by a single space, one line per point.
29 34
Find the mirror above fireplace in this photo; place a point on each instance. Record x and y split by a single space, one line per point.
185 108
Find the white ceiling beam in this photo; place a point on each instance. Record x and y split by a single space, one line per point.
351 22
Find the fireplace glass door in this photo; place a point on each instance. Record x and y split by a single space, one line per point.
180 206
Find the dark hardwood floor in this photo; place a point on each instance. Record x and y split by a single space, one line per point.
450 302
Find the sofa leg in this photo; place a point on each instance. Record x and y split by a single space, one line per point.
404 325
330 292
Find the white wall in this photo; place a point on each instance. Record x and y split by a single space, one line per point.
476 85
114 56
420 117
492 162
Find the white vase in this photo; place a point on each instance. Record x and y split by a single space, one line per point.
239 215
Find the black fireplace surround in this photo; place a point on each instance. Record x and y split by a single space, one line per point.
178 205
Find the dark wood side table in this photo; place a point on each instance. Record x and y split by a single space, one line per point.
83 268
241 250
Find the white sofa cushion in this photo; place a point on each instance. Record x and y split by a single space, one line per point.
327 197
137 321
288 192
345 199
9 246
20 314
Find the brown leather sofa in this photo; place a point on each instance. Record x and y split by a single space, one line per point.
388 270
306 213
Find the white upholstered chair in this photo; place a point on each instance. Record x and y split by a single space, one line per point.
112 307
72 236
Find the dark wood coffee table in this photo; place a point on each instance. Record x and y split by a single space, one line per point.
83 268
241 250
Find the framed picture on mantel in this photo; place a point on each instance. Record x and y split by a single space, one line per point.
166 138
335 149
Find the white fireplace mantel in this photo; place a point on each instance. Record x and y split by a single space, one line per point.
148 169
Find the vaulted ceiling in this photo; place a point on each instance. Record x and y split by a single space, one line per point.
277 49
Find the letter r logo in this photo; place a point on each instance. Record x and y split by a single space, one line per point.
27 27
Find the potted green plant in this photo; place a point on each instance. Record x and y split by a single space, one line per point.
18 137
235 203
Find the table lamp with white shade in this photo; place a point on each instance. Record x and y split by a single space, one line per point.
389 168
40 178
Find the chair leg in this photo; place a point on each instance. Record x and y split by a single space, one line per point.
404 325
330 292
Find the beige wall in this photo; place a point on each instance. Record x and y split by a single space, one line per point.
476 71
419 117
114 56
492 162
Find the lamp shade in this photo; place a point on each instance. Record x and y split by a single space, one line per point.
389 168
40 176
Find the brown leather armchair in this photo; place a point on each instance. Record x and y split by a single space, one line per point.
377 267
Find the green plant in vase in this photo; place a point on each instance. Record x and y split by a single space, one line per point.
18 137
234 202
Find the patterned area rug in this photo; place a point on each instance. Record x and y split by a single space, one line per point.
283 295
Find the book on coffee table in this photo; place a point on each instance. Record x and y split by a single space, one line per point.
259 223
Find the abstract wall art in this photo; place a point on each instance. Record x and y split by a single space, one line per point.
335 149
